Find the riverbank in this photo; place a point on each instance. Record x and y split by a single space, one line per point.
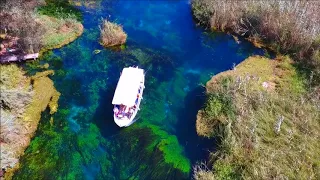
38 27
266 119
59 32
264 112
23 99
297 34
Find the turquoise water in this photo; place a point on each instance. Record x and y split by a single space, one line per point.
83 142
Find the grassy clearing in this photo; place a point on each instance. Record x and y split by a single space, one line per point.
112 34
269 126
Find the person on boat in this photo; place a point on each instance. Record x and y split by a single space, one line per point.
131 110
116 111
126 111
122 107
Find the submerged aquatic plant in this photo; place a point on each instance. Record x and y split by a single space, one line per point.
153 153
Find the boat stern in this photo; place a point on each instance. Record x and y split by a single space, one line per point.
122 122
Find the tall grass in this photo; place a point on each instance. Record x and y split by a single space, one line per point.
112 34
273 134
291 27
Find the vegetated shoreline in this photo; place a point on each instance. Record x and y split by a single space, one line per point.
21 111
286 27
38 25
266 120
23 98
265 112
59 29
68 30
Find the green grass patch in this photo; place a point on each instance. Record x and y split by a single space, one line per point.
173 153
60 9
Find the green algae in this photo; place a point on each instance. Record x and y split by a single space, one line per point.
150 155
179 83
93 90
142 57
83 142
172 151
155 99
55 145
44 153
93 35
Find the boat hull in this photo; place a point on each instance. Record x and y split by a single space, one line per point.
124 122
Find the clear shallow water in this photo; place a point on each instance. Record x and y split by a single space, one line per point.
83 142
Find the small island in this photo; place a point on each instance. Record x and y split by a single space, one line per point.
112 34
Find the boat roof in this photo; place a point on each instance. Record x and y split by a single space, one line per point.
128 85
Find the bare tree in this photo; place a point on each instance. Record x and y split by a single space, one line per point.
18 19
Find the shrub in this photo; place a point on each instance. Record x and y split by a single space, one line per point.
34 31
202 172
17 19
112 34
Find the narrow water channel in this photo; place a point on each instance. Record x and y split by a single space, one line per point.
83 142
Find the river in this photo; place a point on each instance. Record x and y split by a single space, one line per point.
81 141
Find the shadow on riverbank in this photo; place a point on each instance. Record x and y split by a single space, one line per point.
196 147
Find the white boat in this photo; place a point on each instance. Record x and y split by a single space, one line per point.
128 96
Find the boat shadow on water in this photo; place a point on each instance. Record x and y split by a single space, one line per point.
103 117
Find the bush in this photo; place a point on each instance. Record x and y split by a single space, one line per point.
202 172
217 105
17 19
112 34
34 31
